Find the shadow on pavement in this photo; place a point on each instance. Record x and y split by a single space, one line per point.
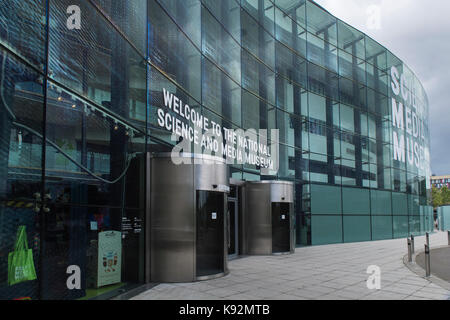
439 262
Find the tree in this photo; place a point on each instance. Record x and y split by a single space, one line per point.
445 195
436 197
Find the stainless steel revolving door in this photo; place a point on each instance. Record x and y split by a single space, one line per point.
188 199
269 217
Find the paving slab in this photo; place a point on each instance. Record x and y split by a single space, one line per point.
330 272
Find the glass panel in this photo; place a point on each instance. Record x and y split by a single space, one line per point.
356 201
172 51
22 28
252 106
97 63
380 202
262 11
322 53
375 53
290 65
235 174
353 93
295 9
414 225
187 14
399 204
250 177
356 229
219 46
228 13
290 127
413 205
400 227
326 229
258 78
351 40
286 170
321 23
317 107
289 32
259 42
220 93
303 231
129 16
352 67
329 204
347 116
317 141
21 115
322 81
94 165
381 227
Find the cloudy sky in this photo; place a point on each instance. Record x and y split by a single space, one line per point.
418 32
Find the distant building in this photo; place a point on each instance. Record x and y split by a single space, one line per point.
440 181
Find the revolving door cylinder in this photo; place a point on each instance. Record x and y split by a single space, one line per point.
187 217
269 217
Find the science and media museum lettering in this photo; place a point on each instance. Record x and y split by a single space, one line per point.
407 117
276 93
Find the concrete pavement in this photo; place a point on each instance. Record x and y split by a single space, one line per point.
331 272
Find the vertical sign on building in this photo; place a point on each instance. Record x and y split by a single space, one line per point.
408 115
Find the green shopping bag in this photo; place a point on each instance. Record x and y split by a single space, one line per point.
20 261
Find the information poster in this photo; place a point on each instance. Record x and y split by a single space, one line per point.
109 258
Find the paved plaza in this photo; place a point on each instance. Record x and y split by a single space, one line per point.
331 272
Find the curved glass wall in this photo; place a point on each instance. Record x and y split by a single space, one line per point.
352 120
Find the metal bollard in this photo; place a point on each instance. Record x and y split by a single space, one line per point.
427 261
409 251
412 244
428 239
448 236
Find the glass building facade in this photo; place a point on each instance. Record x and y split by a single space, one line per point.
79 107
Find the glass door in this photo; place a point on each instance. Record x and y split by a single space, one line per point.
281 227
210 233
233 221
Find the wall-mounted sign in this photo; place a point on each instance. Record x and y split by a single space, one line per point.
133 226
